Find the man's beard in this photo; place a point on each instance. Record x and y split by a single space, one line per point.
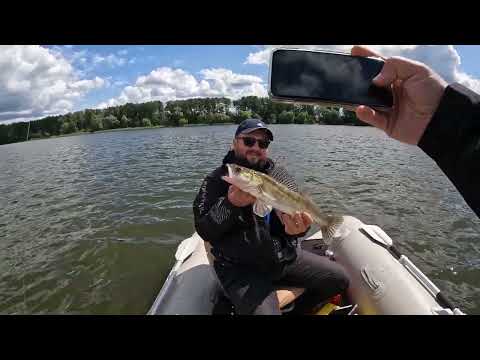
255 163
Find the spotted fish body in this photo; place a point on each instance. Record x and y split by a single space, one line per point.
270 193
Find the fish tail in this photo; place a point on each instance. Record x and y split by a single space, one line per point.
328 230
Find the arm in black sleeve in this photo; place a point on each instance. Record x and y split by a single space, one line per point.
214 214
452 140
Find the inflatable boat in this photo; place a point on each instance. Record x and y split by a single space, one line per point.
382 280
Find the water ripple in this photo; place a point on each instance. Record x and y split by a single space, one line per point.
90 223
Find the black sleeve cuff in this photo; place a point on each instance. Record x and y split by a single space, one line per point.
449 123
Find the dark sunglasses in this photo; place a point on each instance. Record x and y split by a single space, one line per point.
250 142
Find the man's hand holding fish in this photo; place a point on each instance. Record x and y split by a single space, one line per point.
297 224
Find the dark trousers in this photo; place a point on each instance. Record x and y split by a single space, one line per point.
254 293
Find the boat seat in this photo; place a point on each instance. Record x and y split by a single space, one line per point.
286 294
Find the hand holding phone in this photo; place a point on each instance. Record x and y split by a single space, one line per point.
417 91
394 94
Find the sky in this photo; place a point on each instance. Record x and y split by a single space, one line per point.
38 81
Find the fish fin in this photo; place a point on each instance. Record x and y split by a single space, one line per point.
281 176
329 230
281 162
261 209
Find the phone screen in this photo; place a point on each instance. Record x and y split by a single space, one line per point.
337 78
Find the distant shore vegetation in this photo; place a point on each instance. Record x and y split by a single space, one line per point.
208 111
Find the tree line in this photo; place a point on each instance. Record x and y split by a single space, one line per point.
176 113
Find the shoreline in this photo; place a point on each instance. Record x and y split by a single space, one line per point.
79 133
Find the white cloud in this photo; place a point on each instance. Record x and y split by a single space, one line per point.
87 61
259 57
119 83
87 85
167 84
111 60
79 56
444 59
36 81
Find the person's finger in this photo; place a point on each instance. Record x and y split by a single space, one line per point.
387 75
280 216
243 194
288 221
307 219
372 117
234 191
247 197
297 218
398 68
228 179
359 50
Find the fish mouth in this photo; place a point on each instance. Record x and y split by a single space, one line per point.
230 170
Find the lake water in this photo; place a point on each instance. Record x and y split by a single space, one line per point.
89 224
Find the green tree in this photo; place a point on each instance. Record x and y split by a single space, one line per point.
65 127
286 117
309 120
124 121
302 117
146 122
331 116
96 123
182 122
156 118
68 127
350 118
110 122
243 115
90 122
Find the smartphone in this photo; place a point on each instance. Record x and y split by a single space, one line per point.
326 78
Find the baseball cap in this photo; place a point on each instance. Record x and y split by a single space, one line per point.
249 125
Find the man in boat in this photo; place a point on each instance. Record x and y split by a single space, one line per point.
443 120
254 256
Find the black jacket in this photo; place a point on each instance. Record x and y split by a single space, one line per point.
452 140
237 235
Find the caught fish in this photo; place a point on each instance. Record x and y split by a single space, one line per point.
272 194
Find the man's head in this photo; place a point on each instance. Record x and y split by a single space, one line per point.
251 142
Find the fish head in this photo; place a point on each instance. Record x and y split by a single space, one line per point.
243 178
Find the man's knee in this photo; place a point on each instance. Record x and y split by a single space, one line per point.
257 298
339 277
267 310
269 306
343 280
